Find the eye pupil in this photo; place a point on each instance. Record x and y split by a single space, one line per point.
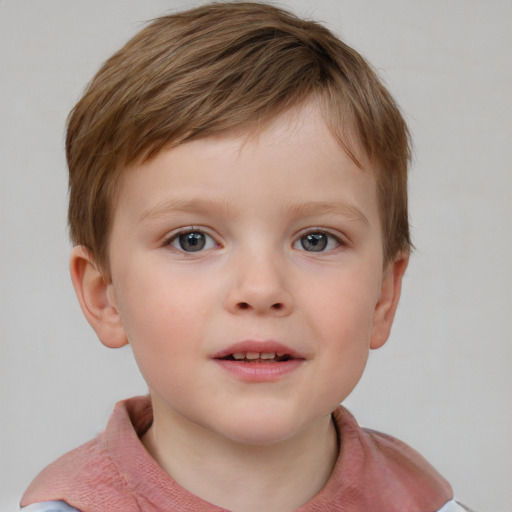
191 242
314 242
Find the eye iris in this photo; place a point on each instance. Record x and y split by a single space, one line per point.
192 242
314 242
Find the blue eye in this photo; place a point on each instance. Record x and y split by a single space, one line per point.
192 241
317 241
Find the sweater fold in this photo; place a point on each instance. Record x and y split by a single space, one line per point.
374 472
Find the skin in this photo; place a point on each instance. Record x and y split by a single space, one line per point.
253 199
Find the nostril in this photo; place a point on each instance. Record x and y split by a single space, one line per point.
245 306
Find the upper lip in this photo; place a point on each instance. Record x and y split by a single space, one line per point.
261 347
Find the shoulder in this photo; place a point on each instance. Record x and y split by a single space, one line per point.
70 479
396 459
391 475
94 465
49 506
87 462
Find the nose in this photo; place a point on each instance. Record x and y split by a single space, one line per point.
258 287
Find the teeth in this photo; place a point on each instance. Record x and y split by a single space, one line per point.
254 355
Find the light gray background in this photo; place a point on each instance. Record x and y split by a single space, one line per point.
443 383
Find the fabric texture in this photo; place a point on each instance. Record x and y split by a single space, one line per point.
374 473
60 506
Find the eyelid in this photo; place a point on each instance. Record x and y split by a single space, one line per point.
338 237
176 233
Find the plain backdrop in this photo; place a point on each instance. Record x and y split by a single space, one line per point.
443 383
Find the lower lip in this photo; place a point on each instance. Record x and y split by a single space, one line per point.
259 372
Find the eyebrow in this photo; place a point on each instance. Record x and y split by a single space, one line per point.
310 209
203 206
186 204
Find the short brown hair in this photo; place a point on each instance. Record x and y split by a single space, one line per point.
216 68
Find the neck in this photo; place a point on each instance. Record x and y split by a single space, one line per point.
242 477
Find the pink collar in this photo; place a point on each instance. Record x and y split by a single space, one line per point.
374 473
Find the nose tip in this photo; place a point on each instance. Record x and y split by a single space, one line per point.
259 289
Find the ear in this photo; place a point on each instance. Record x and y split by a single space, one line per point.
385 308
97 298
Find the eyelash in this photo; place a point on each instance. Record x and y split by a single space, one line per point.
177 238
315 239
319 240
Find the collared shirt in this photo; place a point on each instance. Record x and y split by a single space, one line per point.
373 472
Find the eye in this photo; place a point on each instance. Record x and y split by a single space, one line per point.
317 241
193 240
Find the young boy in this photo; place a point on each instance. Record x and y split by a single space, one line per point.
238 206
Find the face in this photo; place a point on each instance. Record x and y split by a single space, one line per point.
247 272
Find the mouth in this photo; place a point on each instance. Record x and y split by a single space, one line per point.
258 352
257 357
255 361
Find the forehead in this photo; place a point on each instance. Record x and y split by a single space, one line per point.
294 158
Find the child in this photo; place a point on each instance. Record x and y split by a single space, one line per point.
238 206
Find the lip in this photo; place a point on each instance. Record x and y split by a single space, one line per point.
258 346
259 371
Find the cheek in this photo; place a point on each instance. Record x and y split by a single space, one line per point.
341 316
343 308
169 314
165 336
343 353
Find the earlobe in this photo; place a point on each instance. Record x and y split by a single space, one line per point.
387 304
96 296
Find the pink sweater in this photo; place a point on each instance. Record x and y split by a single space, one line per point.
374 473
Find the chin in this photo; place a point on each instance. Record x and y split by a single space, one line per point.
258 429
